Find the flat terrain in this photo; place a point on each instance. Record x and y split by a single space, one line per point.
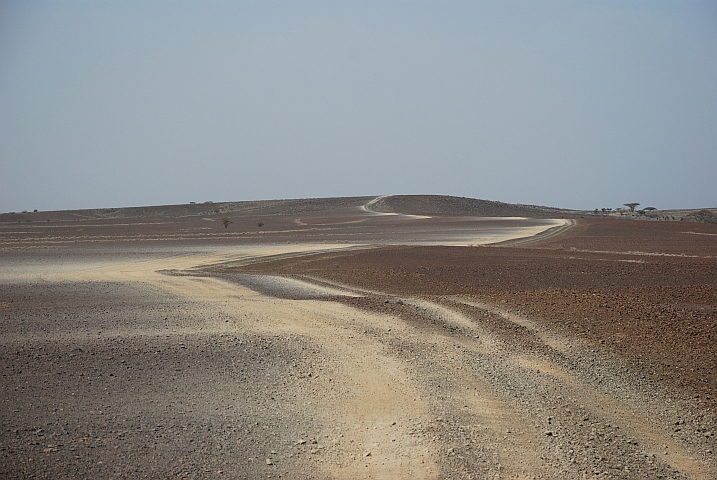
369 337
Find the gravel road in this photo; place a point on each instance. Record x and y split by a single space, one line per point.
157 362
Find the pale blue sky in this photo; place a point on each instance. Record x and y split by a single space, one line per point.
566 104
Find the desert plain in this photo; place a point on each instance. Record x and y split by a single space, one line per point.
363 337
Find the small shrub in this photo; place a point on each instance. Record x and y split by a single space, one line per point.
260 224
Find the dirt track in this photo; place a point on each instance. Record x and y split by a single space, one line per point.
130 362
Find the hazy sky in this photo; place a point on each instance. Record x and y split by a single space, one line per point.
567 104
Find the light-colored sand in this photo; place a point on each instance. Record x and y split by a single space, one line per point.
374 405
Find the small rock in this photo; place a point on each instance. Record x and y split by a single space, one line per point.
367 454
549 433
269 462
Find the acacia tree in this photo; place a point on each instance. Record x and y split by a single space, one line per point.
631 206
225 221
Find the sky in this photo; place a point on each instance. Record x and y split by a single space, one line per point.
568 104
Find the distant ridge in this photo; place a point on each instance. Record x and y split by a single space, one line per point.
409 204
449 205
199 209
347 206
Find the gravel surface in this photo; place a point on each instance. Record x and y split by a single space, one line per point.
149 350
615 346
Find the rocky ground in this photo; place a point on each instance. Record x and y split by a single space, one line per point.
151 350
634 302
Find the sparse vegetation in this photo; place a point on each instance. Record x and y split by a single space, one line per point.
631 206
225 221
703 215
260 224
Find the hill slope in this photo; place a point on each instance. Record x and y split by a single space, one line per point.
409 204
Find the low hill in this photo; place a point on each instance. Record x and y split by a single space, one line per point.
443 204
255 207
340 206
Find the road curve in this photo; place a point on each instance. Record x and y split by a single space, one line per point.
155 368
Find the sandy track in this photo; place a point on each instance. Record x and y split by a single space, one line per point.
233 382
571 401
381 403
361 401
543 405
506 425
364 401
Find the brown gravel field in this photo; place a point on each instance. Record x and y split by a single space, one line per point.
365 337
646 291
